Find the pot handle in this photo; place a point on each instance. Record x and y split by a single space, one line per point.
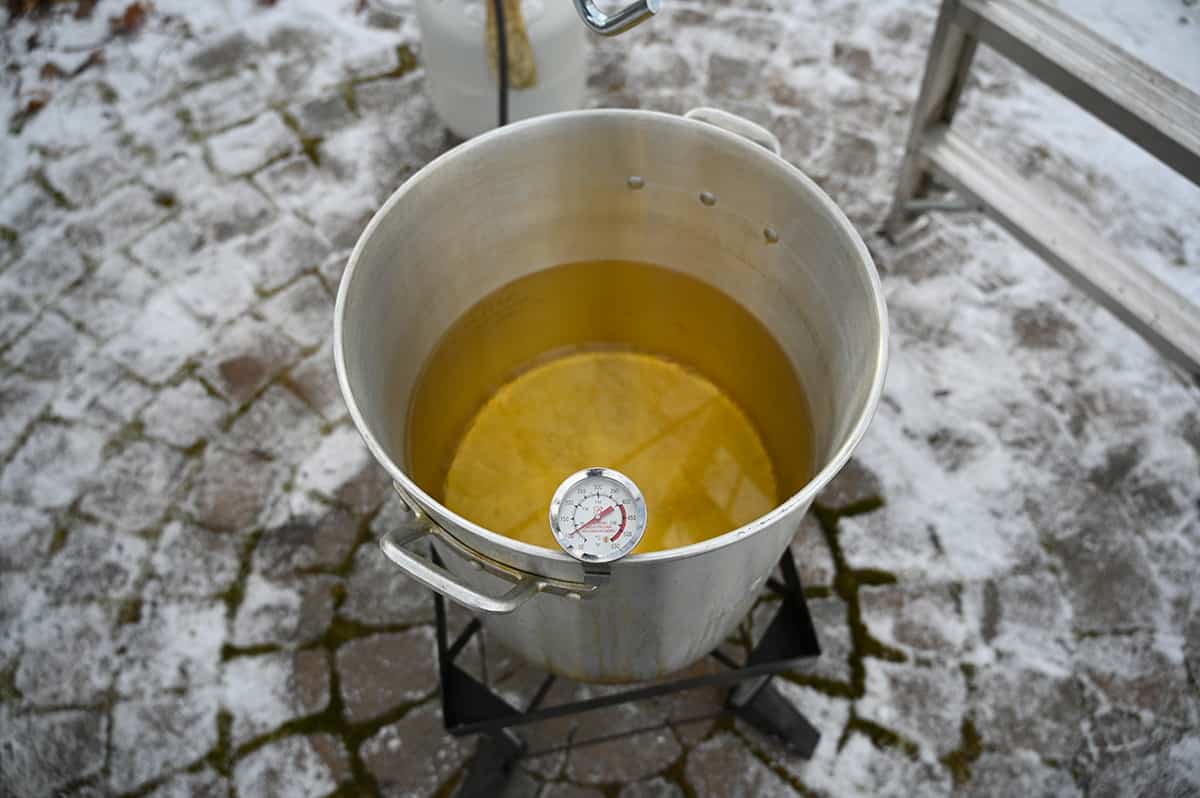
435 577
442 581
620 21
736 124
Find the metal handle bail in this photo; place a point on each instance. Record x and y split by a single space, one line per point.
394 543
611 24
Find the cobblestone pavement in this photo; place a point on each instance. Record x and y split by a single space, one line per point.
191 602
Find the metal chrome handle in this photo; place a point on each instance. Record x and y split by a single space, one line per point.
628 17
736 124
435 577
611 24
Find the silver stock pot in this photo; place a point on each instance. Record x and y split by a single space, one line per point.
714 200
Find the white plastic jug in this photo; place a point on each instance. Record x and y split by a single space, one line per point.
464 85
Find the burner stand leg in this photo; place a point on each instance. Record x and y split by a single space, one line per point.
492 765
758 703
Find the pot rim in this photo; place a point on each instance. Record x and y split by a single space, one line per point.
801 498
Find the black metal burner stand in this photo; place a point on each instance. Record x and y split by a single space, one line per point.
469 707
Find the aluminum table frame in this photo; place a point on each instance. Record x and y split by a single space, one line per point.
1153 111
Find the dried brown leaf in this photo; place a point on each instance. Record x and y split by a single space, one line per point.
18 8
130 21
51 71
95 58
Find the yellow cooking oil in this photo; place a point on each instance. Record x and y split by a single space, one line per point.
626 365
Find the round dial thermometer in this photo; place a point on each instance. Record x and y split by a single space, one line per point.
598 515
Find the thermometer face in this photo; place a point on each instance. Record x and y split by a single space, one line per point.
598 515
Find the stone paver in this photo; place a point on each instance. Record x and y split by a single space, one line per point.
192 601
246 148
158 341
377 595
246 356
25 536
96 563
206 783
562 789
172 645
1030 710
183 728
291 766
136 486
262 693
191 561
47 751
52 670
283 613
314 536
71 454
413 755
184 414
652 788
230 490
623 760
722 765
924 705
381 673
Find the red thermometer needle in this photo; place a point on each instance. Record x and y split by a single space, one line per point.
596 518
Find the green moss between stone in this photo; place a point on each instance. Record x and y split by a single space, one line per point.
220 758
818 592
968 671
958 761
229 652
133 431
881 737
236 592
8 684
873 577
829 687
108 95
846 582
331 721
59 198
342 631
1081 776
197 448
58 540
312 149
130 612
351 97
407 59
861 507
677 775
758 753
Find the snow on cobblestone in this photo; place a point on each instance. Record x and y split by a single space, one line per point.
191 596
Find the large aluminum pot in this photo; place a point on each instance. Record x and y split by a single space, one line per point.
558 189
